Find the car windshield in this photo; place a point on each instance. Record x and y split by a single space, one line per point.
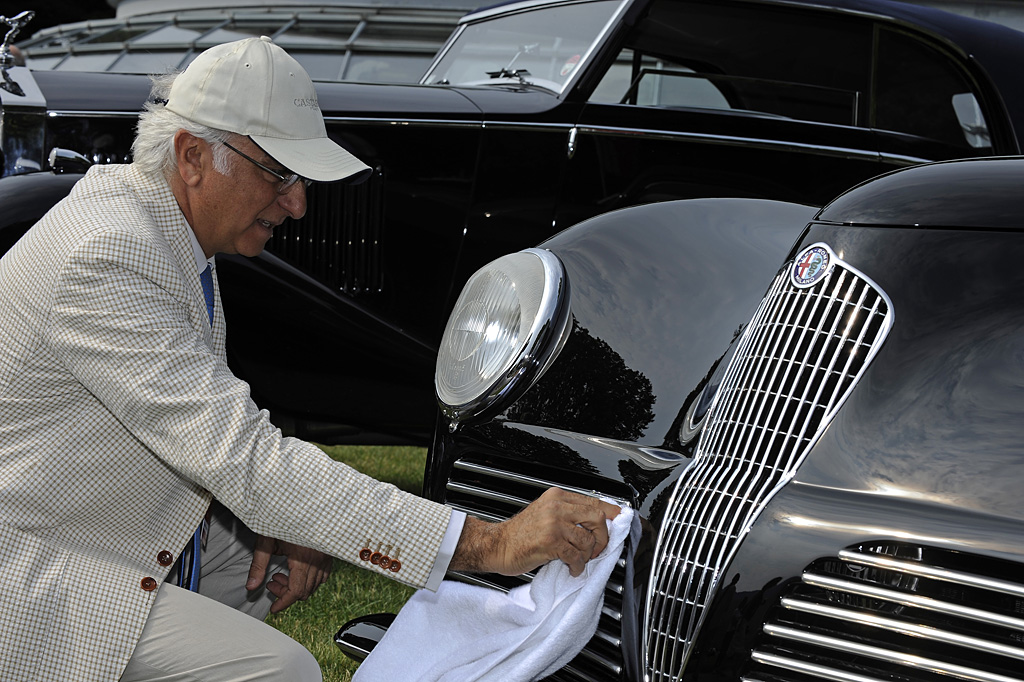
541 47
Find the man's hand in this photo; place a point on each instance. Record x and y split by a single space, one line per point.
308 569
557 525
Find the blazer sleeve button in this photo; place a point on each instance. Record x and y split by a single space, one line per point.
149 584
165 558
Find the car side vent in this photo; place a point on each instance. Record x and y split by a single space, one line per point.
893 611
488 491
810 341
339 242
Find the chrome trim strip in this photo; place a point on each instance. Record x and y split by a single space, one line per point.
349 649
615 668
808 668
501 473
61 113
610 639
915 600
911 629
734 140
614 614
887 655
486 494
760 143
934 572
412 122
493 518
615 131
523 479
473 579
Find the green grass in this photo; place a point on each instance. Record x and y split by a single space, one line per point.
352 591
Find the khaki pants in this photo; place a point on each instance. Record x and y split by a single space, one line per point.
218 635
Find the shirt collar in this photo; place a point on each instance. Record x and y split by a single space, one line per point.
201 260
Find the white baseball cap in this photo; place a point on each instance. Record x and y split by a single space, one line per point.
253 87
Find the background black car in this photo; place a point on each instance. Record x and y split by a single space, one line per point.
534 117
828 473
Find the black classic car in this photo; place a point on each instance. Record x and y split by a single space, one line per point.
818 416
533 117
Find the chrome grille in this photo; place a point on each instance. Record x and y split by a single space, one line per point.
491 492
339 242
894 611
798 359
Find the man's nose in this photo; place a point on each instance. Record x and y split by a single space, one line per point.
294 200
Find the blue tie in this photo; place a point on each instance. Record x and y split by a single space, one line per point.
206 277
188 564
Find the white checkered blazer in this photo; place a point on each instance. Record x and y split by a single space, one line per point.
119 419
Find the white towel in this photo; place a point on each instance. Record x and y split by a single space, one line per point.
463 633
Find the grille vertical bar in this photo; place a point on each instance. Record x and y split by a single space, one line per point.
339 242
799 358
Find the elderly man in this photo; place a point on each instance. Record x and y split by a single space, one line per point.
121 421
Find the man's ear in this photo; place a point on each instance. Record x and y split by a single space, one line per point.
194 157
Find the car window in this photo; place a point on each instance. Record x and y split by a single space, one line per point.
921 91
543 47
767 60
660 83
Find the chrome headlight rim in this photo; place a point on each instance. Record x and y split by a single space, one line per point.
546 335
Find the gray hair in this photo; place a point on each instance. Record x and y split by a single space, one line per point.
153 148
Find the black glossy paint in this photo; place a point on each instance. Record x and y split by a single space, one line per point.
469 174
926 450
663 291
940 195
928 447
24 198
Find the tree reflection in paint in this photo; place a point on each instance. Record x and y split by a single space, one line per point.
589 389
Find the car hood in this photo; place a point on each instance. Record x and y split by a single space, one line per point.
976 194
429 101
105 92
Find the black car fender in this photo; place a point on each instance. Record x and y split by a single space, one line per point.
26 198
708 262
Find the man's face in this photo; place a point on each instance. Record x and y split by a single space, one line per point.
240 210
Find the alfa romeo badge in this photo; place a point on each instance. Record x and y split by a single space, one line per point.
812 265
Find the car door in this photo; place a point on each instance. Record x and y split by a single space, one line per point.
700 99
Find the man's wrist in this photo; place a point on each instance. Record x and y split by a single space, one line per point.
476 546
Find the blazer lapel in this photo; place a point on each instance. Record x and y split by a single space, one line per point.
160 201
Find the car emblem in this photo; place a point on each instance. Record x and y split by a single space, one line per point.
813 264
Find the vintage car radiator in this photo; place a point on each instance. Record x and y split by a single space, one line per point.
811 339
340 241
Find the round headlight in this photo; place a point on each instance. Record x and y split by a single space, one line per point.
508 324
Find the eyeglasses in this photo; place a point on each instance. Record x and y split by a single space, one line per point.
287 181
